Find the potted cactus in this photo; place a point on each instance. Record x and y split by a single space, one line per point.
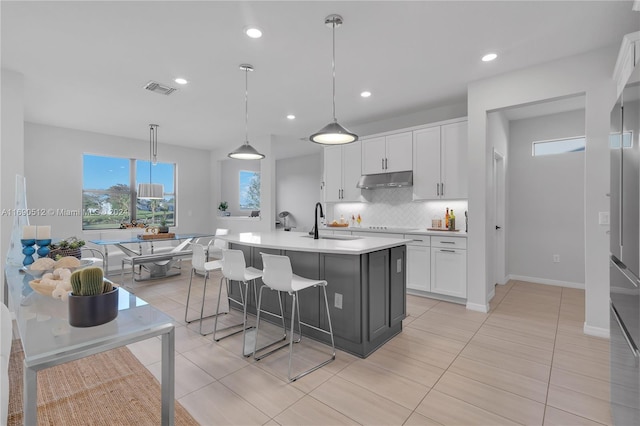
93 300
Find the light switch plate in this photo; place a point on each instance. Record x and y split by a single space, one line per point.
603 218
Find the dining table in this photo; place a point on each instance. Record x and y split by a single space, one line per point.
139 245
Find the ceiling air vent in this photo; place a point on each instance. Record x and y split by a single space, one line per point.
156 87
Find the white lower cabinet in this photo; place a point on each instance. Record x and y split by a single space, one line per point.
449 267
418 262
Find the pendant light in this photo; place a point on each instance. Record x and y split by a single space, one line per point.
152 191
246 151
333 133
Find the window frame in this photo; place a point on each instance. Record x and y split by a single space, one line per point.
559 140
133 192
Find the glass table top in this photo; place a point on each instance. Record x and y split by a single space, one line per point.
44 326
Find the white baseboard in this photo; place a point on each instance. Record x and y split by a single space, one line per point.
492 294
546 281
478 307
595 331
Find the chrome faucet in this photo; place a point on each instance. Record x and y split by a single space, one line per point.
314 231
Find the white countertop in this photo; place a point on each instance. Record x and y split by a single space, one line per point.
399 231
301 241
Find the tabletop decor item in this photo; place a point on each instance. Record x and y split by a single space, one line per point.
93 300
163 228
67 247
28 250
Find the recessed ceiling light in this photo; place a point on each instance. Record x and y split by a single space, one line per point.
180 80
365 94
489 57
253 32
291 117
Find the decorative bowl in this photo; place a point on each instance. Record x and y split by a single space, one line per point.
38 273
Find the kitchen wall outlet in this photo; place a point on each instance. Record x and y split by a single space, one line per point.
603 218
556 258
337 300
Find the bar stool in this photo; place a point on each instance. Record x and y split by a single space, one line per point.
234 268
277 275
199 264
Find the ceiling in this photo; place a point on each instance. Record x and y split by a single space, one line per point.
85 63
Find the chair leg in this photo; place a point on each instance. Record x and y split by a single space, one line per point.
330 332
243 299
186 309
275 342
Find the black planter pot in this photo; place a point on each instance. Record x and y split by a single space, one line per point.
89 311
163 229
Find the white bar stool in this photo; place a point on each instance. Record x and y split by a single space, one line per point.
234 268
199 264
277 275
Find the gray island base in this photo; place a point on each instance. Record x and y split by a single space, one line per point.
366 285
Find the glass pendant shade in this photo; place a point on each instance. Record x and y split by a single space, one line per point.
150 191
333 134
246 152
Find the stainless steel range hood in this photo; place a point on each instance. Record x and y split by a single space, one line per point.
386 180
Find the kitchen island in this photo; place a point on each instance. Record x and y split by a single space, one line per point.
366 283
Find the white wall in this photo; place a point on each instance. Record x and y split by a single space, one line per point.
53 168
589 73
11 154
546 202
230 183
298 189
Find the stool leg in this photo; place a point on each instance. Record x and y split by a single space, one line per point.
230 300
186 309
326 304
284 336
293 317
204 291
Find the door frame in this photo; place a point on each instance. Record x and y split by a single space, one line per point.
499 218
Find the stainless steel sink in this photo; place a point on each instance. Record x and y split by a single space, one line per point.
334 237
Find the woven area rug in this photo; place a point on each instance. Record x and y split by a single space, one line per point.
110 388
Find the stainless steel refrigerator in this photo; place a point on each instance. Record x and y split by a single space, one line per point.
625 259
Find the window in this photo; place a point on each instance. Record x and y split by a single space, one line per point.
249 194
109 187
559 146
614 140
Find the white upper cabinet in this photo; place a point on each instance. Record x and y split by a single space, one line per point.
440 162
342 170
393 153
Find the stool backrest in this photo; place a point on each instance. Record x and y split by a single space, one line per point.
233 264
276 272
199 257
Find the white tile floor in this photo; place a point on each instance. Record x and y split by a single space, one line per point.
526 362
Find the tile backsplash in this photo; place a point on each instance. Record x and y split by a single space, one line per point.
394 207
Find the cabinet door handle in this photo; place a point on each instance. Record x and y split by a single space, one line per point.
448 251
382 165
421 241
442 186
438 189
447 242
386 163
